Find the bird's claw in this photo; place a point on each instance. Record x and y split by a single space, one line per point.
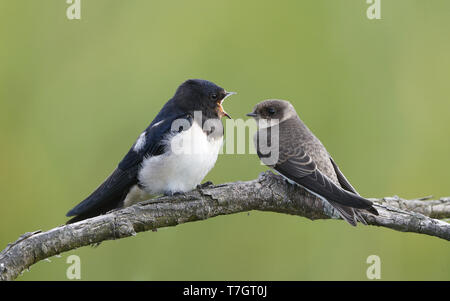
204 185
170 193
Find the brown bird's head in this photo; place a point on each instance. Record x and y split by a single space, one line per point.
273 110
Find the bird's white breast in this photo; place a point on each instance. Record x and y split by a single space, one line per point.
189 156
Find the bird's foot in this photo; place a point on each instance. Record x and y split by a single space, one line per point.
204 185
173 193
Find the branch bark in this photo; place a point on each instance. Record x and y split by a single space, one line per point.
267 193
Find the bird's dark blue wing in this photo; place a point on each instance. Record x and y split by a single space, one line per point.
111 193
154 144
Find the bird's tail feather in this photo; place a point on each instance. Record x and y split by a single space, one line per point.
91 207
347 213
85 215
359 217
109 195
352 215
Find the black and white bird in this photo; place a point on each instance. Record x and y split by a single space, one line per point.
286 144
171 156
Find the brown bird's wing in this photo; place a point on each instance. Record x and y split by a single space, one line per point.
353 214
347 186
298 167
342 179
315 181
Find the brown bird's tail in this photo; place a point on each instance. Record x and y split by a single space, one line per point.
352 215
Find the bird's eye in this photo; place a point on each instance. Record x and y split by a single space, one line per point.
214 96
271 111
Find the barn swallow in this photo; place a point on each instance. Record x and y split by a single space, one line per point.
171 156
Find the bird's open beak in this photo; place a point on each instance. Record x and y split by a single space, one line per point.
252 114
227 94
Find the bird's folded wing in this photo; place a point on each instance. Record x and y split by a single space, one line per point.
342 179
303 171
109 194
155 142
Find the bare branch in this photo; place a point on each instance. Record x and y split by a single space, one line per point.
433 208
267 193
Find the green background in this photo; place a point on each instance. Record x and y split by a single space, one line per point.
74 96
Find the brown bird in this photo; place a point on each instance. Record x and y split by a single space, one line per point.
286 144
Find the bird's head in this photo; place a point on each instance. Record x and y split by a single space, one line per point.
203 95
273 111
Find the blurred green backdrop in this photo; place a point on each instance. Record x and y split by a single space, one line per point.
74 95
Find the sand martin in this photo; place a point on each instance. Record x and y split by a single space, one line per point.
302 159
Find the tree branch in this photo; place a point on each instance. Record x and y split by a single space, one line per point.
267 193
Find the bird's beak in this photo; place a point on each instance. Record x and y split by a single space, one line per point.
252 114
227 94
